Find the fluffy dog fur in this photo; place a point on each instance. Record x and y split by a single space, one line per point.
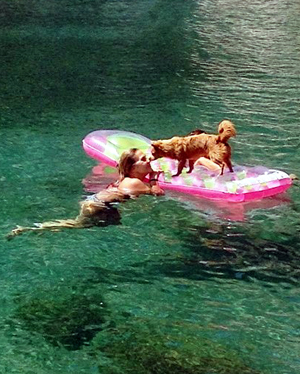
191 147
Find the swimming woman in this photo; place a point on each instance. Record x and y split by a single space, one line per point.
133 167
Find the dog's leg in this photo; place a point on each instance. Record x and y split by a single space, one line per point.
181 165
191 166
229 165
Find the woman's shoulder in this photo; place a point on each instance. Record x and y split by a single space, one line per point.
133 186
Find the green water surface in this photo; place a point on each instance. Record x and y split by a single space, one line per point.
182 285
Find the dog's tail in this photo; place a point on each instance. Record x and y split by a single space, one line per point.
226 130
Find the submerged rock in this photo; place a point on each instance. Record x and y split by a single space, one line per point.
67 320
144 350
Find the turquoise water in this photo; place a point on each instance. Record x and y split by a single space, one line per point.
180 275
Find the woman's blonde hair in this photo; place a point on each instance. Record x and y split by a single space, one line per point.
127 160
91 213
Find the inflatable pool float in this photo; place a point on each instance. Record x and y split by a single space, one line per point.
244 184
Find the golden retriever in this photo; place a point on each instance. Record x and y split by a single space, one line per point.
195 145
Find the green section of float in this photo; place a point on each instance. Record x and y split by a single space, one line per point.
123 142
118 143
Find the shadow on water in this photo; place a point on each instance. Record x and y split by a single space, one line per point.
217 252
45 51
49 13
223 252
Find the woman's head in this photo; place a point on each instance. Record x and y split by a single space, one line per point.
133 161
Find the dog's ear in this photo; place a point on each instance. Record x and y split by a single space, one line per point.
221 130
152 152
154 144
153 148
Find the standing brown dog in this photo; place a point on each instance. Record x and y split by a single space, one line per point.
191 147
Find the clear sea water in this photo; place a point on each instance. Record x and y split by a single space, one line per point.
178 269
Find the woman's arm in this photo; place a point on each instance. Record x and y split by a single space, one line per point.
111 196
155 188
135 187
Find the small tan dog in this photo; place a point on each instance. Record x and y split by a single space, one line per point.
191 147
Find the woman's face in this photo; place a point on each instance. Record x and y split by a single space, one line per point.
141 165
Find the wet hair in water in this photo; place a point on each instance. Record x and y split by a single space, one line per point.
127 160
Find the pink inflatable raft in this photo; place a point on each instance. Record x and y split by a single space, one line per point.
244 184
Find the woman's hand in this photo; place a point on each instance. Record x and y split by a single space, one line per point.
157 191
